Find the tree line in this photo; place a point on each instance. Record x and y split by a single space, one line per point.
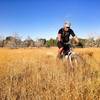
17 42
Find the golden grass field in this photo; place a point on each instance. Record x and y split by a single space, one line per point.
36 74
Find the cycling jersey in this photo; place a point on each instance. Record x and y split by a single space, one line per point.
66 34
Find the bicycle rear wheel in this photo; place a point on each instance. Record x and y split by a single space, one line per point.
76 60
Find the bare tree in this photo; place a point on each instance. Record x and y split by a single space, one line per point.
28 42
1 40
98 42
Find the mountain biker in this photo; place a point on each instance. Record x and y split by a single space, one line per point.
63 38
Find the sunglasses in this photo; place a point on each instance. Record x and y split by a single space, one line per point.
67 27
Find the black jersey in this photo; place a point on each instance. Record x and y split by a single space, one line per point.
65 35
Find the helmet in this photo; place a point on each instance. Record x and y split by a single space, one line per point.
67 24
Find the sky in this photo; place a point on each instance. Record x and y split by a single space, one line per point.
43 18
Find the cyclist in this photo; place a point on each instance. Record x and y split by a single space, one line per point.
63 38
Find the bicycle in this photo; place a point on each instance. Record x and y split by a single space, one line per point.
74 59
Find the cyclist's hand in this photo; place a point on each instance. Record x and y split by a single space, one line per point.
75 40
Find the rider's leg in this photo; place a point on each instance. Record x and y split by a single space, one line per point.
60 50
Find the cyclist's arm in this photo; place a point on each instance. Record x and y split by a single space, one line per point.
74 36
59 37
76 39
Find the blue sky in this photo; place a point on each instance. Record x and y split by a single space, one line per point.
43 18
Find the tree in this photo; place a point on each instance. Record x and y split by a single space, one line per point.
10 42
40 42
51 42
98 42
28 42
1 40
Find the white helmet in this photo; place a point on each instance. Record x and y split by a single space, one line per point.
67 24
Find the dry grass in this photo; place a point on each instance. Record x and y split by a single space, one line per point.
35 74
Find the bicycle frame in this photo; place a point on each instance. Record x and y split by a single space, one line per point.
68 54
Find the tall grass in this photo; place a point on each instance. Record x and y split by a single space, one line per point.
36 74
